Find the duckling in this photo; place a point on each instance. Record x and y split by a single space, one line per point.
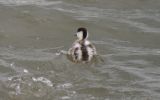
82 49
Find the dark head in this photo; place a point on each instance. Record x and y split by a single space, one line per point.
82 33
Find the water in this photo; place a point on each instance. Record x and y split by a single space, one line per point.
125 32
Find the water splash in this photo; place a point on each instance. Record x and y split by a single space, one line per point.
43 80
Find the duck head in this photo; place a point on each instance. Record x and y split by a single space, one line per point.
82 33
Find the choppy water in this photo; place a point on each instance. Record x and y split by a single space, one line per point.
125 32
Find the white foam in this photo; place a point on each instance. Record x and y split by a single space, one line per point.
25 71
66 85
43 80
65 98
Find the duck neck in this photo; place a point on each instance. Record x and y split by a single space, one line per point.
82 41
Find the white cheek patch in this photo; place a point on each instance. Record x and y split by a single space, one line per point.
80 35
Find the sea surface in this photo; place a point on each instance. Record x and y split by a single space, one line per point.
126 34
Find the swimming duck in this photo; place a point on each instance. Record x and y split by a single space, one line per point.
82 49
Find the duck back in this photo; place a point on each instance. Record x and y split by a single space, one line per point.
85 55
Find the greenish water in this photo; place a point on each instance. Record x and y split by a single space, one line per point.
126 34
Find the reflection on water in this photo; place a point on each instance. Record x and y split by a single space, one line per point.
126 34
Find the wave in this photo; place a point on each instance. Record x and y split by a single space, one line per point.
28 2
130 18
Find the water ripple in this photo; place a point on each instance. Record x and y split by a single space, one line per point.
28 2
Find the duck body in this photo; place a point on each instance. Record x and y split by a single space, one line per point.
82 49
